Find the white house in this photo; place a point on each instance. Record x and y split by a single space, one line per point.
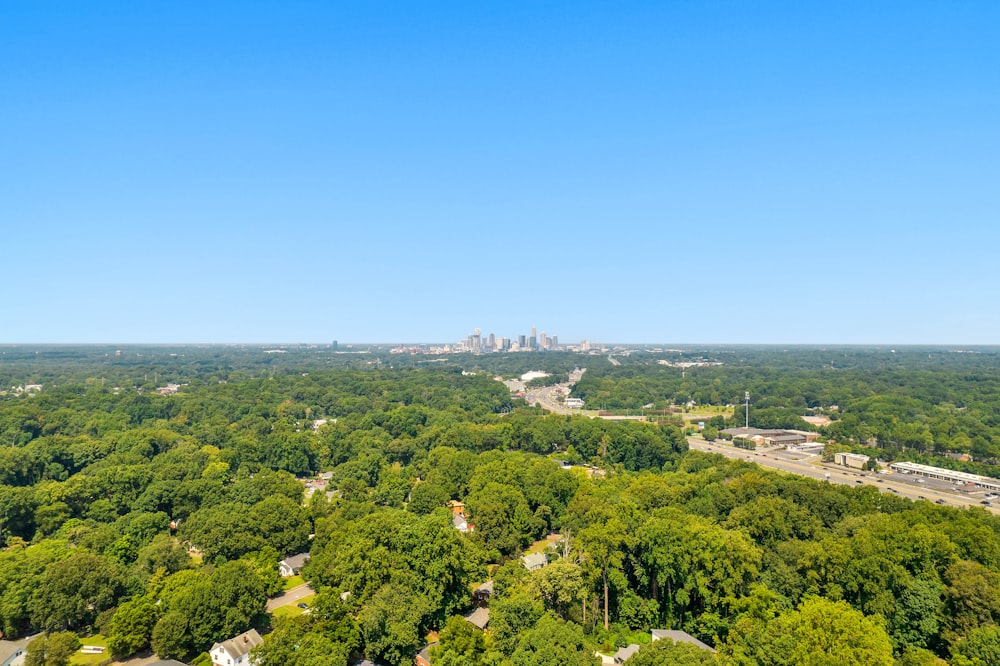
236 651
13 653
460 523
534 561
292 566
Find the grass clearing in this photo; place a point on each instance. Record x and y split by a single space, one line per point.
293 610
85 658
292 581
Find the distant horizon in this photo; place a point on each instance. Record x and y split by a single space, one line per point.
274 343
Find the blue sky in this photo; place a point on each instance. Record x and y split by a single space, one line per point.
742 172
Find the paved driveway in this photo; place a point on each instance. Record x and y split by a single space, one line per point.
289 597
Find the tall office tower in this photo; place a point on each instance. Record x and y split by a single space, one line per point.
334 345
554 341
521 341
544 341
533 334
491 342
584 345
533 342
504 344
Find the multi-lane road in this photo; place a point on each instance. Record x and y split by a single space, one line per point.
835 474
548 398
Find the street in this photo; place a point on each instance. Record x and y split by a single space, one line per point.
844 475
290 597
548 399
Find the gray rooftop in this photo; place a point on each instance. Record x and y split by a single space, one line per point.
625 653
9 648
534 560
296 561
679 637
242 644
479 618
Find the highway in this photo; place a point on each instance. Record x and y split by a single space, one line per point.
843 475
548 398
904 486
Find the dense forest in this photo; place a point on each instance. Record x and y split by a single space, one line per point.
158 521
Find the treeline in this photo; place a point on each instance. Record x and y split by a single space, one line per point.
910 403
150 366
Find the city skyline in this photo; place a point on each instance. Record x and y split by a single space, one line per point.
781 173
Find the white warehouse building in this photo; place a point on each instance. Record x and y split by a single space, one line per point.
945 474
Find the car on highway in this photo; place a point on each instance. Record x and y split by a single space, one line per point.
986 503
939 501
921 497
302 604
858 481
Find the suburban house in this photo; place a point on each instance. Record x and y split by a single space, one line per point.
482 594
13 652
458 518
423 657
625 653
236 651
534 561
479 618
679 637
292 566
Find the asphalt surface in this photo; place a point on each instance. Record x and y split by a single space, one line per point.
547 397
813 467
806 465
290 597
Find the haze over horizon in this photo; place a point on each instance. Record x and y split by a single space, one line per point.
710 172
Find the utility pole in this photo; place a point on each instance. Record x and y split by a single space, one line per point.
746 396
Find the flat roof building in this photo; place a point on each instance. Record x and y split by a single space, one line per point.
945 474
855 460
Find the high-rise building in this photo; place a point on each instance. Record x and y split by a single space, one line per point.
521 341
544 341
491 342
554 341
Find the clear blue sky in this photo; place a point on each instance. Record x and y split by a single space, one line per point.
787 172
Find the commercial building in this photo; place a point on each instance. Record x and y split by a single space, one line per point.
856 460
773 437
946 475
